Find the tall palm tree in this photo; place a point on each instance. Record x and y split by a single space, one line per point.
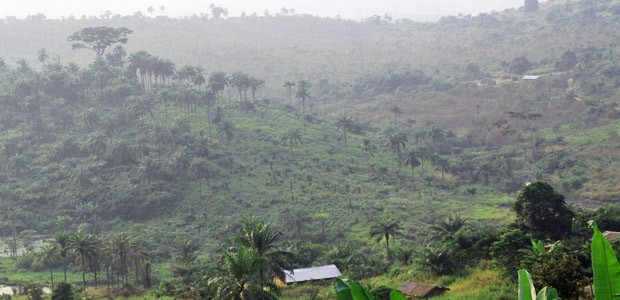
42 55
442 164
436 134
119 52
266 242
48 254
298 219
368 147
255 84
346 124
413 161
397 142
396 110
303 94
292 137
62 239
218 81
384 229
86 246
226 130
289 85
118 248
242 279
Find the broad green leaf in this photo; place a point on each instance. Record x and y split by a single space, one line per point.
350 290
397 295
343 290
605 266
526 287
359 292
538 247
547 293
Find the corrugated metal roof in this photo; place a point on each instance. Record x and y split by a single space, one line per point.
612 236
314 273
421 290
530 77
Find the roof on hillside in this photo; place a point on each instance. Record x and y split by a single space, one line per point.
421 290
530 77
314 273
612 236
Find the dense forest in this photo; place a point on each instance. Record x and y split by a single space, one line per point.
200 157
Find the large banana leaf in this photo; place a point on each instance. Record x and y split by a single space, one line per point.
527 291
526 287
547 293
397 295
605 267
350 290
347 289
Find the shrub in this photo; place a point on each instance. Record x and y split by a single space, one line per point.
62 291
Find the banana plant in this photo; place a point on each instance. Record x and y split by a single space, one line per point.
347 289
527 291
605 267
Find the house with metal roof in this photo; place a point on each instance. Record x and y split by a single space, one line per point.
310 274
416 290
530 77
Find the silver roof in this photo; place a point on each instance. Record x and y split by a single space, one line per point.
314 273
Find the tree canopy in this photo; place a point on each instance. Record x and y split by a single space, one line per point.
98 38
543 212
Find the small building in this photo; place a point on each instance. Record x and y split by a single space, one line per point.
612 236
530 77
416 290
310 274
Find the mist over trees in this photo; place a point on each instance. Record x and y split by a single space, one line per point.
225 150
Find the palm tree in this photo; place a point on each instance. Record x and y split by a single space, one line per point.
151 10
368 148
298 219
289 85
396 110
291 137
118 248
435 133
405 255
225 129
442 164
62 239
303 94
255 83
119 52
396 142
86 245
218 81
384 229
42 55
266 242
413 161
48 254
438 258
345 123
185 253
447 228
242 279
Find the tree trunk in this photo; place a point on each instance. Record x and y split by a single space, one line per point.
52 277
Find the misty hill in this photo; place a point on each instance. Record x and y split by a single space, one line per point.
94 142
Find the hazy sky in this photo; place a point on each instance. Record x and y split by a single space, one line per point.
351 9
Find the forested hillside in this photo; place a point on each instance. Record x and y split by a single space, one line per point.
195 131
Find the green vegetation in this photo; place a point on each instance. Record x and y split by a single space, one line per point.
395 150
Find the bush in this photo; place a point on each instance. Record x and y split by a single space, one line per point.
62 291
